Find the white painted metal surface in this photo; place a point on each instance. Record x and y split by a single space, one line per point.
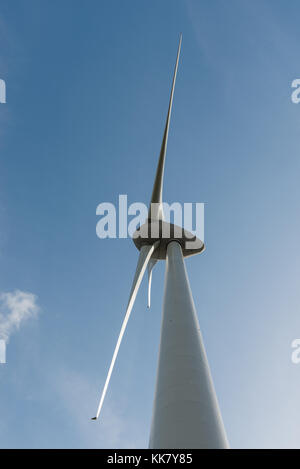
186 412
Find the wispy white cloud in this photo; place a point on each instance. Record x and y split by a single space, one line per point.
15 308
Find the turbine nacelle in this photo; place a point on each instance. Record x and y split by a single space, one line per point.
162 233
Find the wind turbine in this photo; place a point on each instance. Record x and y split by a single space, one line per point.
185 412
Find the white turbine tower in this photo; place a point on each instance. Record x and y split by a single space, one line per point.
186 412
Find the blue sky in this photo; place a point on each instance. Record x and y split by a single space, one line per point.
87 93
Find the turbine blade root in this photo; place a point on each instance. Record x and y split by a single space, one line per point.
151 264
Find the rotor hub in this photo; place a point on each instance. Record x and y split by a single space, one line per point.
157 230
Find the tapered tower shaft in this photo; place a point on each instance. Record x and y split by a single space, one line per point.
186 412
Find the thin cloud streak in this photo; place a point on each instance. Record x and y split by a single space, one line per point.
78 397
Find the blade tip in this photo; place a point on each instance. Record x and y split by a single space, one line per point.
94 418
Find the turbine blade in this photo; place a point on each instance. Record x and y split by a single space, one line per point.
144 257
156 211
151 264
